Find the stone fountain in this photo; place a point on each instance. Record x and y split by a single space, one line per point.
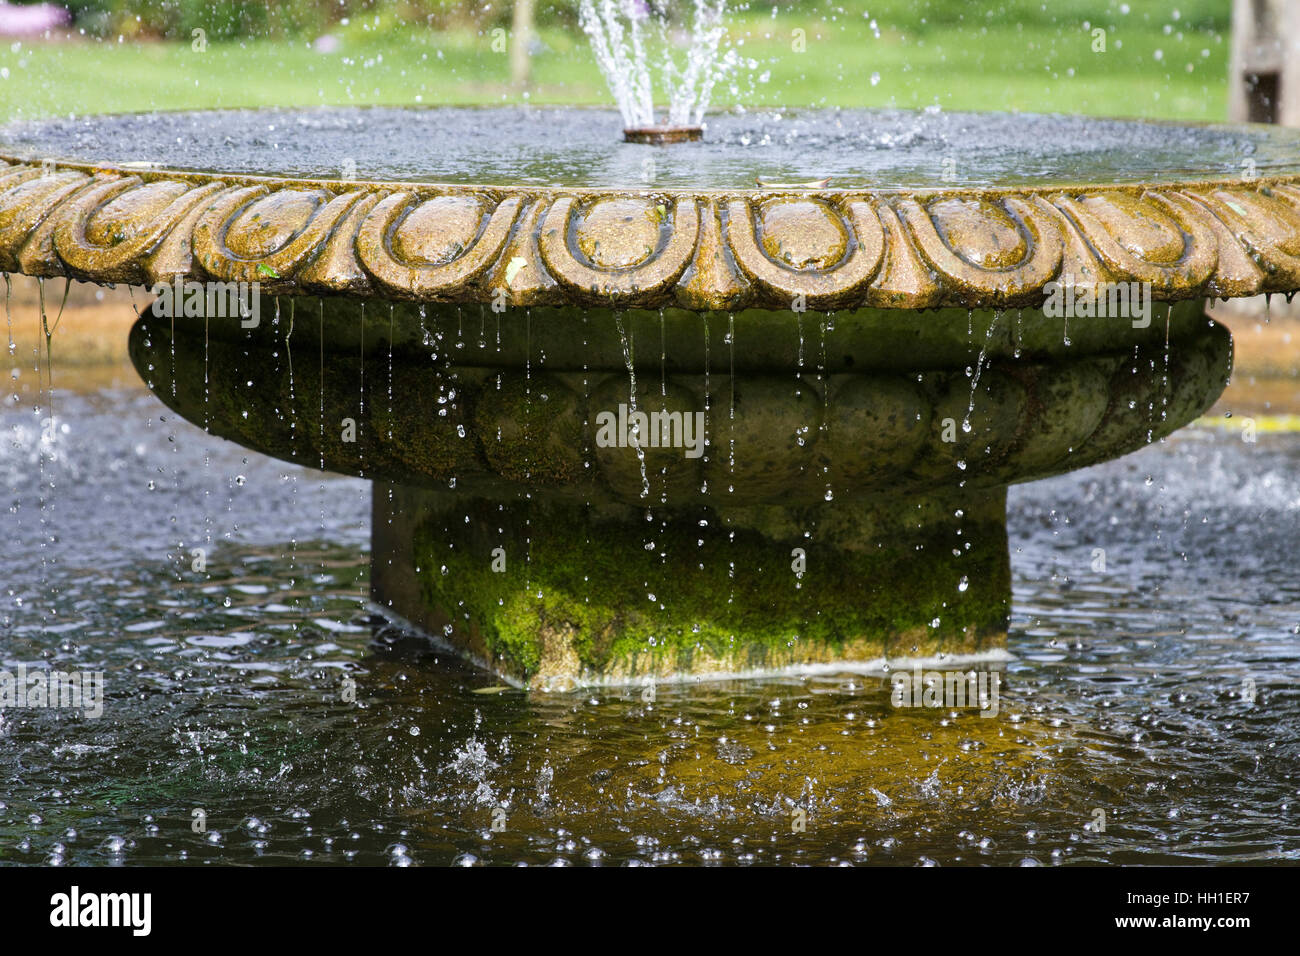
629 415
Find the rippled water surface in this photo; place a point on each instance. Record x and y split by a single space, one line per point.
551 146
1124 691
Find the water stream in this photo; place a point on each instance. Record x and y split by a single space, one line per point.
628 36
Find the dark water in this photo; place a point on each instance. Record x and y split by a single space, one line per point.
550 146
1123 692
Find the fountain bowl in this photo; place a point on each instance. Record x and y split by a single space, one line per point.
477 331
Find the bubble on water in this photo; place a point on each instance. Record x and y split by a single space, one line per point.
399 855
116 845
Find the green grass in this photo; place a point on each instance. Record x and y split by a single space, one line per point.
1035 67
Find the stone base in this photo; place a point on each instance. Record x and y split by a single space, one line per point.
522 517
553 594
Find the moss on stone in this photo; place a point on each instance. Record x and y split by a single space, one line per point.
702 598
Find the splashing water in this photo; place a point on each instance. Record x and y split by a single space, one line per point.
628 35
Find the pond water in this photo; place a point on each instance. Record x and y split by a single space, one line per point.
1123 691
553 146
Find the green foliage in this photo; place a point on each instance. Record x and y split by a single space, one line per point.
228 19
177 19
231 19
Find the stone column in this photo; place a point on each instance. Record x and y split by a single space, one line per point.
550 593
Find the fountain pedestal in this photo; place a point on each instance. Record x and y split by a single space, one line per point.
835 492
553 593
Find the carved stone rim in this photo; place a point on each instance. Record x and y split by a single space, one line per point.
712 249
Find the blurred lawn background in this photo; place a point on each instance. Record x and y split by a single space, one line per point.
1161 59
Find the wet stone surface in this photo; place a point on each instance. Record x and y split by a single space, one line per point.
876 149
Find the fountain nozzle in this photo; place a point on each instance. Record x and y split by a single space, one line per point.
662 135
